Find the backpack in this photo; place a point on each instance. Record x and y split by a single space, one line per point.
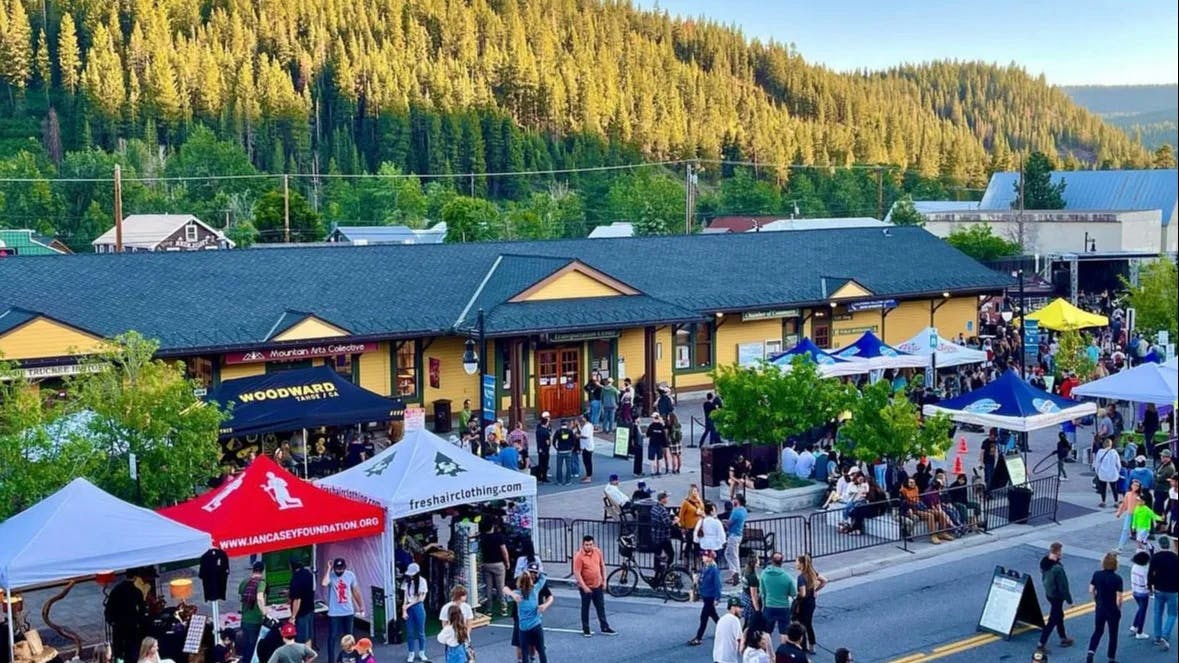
249 595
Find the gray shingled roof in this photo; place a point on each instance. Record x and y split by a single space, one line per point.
217 299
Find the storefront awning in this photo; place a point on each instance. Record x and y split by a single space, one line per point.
295 399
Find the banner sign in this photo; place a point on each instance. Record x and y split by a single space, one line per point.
488 401
875 305
583 336
415 418
298 354
750 316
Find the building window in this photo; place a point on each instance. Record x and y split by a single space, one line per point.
790 335
693 346
199 369
190 232
341 364
407 369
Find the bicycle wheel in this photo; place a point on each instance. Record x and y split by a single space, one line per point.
622 581
677 584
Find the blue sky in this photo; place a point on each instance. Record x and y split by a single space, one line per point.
1071 42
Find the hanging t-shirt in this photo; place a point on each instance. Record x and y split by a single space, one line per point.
214 574
340 594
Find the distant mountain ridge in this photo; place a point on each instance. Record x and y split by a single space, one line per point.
1150 112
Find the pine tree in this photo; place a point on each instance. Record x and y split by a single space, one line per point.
16 47
69 59
1037 191
103 77
41 61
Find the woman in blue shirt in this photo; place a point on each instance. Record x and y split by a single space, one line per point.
529 608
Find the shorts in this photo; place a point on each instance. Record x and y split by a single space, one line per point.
654 452
1143 536
305 628
779 617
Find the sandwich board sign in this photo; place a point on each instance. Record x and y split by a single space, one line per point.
621 442
1011 598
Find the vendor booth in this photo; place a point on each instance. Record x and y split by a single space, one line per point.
295 400
1061 315
81 531
1145 383
1009 402
829 365
946 354
878 355
424 474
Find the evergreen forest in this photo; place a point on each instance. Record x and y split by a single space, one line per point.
416 111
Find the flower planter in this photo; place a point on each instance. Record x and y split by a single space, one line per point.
793 499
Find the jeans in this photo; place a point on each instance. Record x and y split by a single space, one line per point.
608 418
710 434
1055 620
587 459
575 464
1125 535
1168 602
597 597
1143 601
249 640
415 628
338 627
1103 619
564 458
457 654
707 612
595 413
494 575
305 627
1060 468
531 639
733 554
806 617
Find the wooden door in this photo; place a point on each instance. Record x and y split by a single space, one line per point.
559 381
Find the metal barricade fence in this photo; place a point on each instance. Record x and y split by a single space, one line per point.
552 541
880 526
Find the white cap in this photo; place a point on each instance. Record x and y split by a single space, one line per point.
544 415
413 569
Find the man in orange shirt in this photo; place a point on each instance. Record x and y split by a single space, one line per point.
589 570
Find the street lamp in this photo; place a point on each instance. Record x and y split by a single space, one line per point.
475 360
470 358
1005 314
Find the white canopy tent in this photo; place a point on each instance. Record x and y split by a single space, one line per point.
420 474
55 539
1145 383
947 353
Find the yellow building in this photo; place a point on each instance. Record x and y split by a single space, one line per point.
542 316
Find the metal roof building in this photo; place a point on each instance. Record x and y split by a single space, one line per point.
932 206
365 235
1099 190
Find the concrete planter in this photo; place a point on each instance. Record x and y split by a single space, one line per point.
779 501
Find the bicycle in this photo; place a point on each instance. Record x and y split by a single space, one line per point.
674 581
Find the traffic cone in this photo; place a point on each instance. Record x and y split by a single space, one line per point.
962 445
958 469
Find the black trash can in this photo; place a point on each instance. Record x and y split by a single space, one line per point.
1019 504
442 415
642 511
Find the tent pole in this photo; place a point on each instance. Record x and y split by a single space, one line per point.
217 618
11 625
306 447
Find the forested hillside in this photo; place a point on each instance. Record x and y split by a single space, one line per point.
1148 113
325 89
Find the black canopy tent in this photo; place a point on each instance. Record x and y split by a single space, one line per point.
297 400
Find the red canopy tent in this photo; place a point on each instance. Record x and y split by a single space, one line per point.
266 508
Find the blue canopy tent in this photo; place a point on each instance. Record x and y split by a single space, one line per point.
879 355
1011 403
829 365
296 399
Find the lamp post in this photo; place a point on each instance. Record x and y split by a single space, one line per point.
1022 324
476 361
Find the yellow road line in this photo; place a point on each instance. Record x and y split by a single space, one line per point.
982 639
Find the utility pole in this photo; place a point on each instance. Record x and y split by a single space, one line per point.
118 209
879 192
689 199
286 208
1019 216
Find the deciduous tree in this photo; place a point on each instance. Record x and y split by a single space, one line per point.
979 242
766 405
1156 298
884 426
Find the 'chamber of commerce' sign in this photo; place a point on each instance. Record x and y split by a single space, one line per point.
875 305
297 354
750 316
582 336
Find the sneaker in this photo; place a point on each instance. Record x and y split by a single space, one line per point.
1089 657
1133 630
423 658
410 658
1066 642
585 633
608 631
1142 636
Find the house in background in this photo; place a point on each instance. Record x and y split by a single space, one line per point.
369 235
25 242
163 232
616 229
924 207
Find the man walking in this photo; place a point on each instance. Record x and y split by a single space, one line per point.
544 437
1162 579
661 532
735 531
727 645
1106 589
777 590
1057 592
564 440
711 404
589 571
585 436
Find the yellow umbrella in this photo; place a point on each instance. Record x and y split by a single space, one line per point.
1061 315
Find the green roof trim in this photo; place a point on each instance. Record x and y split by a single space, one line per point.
209 300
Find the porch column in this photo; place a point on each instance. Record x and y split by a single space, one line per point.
650 378
516 365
